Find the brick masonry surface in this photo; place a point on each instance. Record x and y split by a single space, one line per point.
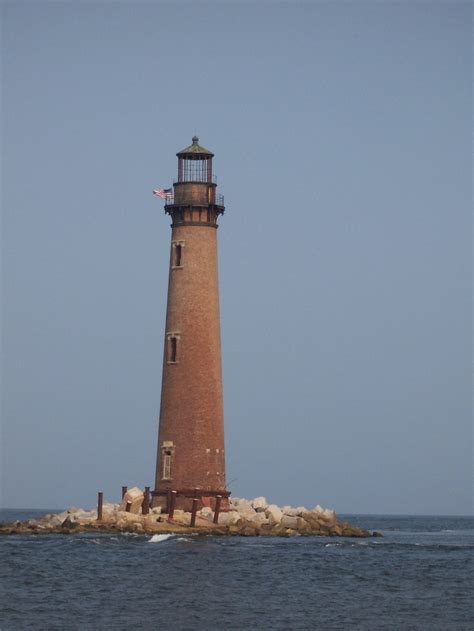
191 427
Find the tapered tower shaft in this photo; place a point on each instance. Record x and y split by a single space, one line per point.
191 456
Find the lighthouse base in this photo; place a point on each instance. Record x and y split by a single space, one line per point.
183 500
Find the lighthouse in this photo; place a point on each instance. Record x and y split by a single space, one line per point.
191 457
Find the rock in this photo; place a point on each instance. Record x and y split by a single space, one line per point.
242 505
336 530
54 521
249 515
290 532
376 533
234 529
248 531
229 518
32 524
180 517
206 513
328 516
135 496
290 511
312 520
83 515
353 531
156 511
259 519
278 530
303 527
287 521
68 524
128 518
300 510
259 503
273 514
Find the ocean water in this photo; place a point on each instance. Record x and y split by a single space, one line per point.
418 576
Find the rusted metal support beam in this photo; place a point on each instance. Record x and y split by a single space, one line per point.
100 504
218 508
172 503
146 501
124 490
194 511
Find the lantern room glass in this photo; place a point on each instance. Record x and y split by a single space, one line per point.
194 170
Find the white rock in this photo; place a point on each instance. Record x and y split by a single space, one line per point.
291 512
130 518
329 516
300 510
259 502
259 519
182 518
206 513
273 514
243 506
234 502
229 518
84 515
317 509
156 510
248 514
135 496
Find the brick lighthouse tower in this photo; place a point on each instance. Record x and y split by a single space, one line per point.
191 459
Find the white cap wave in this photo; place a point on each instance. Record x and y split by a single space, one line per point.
159 538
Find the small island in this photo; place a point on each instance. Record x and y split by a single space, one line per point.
246 518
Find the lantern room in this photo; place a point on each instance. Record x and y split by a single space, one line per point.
195 163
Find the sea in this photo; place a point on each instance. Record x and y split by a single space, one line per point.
419 575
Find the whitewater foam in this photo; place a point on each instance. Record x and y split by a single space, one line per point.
160 538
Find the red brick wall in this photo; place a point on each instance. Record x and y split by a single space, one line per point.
191 414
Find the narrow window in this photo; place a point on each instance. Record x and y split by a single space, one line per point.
173 349
178 253
167 465
172 340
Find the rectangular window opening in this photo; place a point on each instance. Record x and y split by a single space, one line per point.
167 465
173 349
178 253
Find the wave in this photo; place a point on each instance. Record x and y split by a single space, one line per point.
160 538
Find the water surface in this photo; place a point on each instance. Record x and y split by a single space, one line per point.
418 576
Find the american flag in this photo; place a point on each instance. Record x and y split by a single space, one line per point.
164 193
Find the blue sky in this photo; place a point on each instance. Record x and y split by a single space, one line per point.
342 134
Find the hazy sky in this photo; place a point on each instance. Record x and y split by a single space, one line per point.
342 134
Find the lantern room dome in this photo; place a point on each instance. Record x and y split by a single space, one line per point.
195 151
